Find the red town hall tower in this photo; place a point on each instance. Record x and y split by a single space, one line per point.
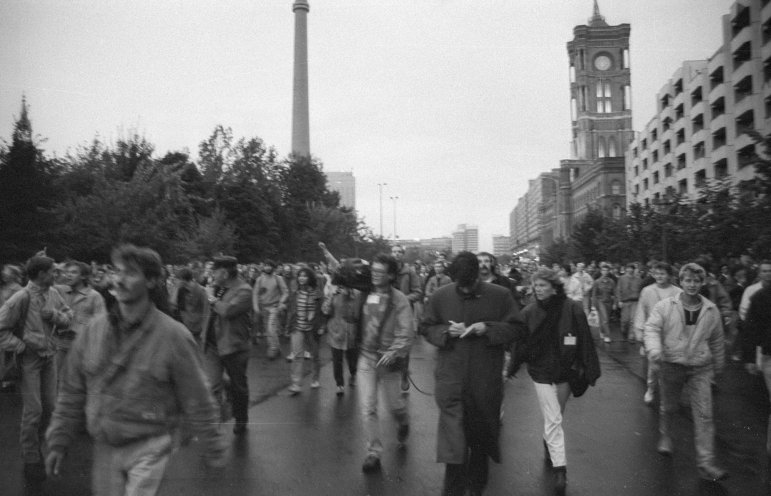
601 115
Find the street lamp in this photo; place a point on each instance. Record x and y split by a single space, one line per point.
380 187
394 198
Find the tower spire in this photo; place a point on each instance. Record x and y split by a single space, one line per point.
597 19
23 129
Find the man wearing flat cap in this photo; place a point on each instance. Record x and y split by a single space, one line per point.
226 340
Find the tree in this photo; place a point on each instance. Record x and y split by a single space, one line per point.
27 190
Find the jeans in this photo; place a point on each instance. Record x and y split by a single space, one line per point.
305 341
237 389
135 469
38 391
552 399
351 355
270 319
628 311
369 380
672 379
603 311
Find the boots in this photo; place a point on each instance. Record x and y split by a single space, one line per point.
560 480
664 446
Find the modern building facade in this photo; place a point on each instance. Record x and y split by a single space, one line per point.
465 238
530 223
345 184
704 111
501 245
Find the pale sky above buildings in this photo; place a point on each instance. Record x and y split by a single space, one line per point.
455 104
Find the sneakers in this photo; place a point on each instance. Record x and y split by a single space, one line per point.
648 398
606 339
403 433
290 357
294 389
371 463
712 473
307 355
664 447
239 427
340 390
315 385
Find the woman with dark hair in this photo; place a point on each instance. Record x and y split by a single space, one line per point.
342 307
305 309
561 358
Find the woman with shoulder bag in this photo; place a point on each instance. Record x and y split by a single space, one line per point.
306 328
342 307
561 358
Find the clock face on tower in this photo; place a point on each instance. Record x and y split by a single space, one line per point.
602 62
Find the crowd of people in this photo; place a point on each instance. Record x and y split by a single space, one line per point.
136 351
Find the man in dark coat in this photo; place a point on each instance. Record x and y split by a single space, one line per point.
470 322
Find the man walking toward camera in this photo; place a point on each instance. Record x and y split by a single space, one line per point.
37 310
129 378
387 330
470 322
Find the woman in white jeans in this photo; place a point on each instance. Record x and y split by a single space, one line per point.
558 348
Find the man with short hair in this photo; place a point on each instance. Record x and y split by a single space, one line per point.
685 335
130 377
226 342
579 286
470 322
38 309
604 300
269 298
192 303
387 333
438 280
85 302
663 288
488 271
627 294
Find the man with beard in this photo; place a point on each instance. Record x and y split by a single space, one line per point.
488 271
129 378
269 298
470 322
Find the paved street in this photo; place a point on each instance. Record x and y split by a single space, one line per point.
312 444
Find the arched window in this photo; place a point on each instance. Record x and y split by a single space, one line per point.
601 150
612 147
615 187
616 211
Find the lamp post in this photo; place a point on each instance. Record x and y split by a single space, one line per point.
394 198
380 187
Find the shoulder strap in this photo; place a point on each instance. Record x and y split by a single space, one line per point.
18 331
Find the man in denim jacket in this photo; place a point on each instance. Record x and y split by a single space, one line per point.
131 377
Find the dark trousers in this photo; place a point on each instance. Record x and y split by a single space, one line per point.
238 389
471 475
351 357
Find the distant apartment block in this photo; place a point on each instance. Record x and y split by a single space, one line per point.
465 238
530 223
704 112
345 184
501 245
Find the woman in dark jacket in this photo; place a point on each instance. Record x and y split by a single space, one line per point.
560 355
305 310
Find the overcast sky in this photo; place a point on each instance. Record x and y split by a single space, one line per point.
455 104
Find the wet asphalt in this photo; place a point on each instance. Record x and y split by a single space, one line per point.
313 443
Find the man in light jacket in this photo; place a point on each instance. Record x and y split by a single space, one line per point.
684 334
